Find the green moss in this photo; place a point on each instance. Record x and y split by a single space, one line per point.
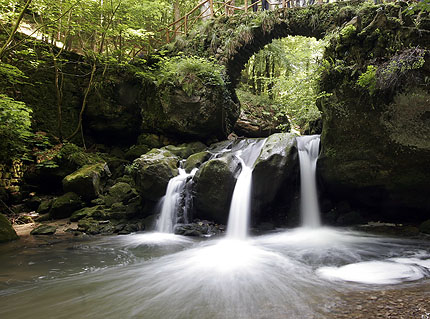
7 233
367 80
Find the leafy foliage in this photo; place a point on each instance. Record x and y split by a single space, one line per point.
421 6
285 72
15 128
190 72
367 80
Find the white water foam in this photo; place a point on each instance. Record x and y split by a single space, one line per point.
171 201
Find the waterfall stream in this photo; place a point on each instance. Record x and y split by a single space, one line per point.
171 201
308 147
240 207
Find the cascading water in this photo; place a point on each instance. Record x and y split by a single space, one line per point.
171 201
308 147
240 207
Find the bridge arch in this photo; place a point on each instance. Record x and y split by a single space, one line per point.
232 40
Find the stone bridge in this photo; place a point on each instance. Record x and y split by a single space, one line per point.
232 40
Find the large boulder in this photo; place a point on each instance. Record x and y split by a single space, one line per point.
213 188
275 172
86 181
7 233
65 205
376 117
152 172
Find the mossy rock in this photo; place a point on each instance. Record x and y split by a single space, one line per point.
120 192
44 230
213 188
185 150
152 172
7 233
95 212
94 227
44 206
65 205
48 175
86 181
196 160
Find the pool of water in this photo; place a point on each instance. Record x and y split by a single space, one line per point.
297 273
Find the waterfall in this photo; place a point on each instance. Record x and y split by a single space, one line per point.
308 147
171 201
240 207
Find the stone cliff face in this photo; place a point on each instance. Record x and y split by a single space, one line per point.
376 117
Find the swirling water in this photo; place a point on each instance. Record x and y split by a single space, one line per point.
288 274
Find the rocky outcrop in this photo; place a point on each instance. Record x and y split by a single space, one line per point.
152 172
87 181
208 112
213 188
7 233
376 116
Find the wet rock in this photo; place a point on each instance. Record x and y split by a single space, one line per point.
87 181
152 172
65 205
196 160
275 171
198 229
7 233
44 230
213 188
44 206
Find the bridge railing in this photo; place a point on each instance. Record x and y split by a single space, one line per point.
207 9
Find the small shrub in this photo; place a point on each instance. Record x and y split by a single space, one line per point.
367 80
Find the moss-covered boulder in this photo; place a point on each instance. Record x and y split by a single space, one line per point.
275 172
120 192
44 206
196 160
7 233
192 100
213 188
65 205
152 172
86 181
44 230
48 175
186 149
96 212
376 117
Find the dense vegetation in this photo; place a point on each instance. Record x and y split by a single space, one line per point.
282 78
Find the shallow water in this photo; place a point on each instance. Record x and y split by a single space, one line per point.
296 273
